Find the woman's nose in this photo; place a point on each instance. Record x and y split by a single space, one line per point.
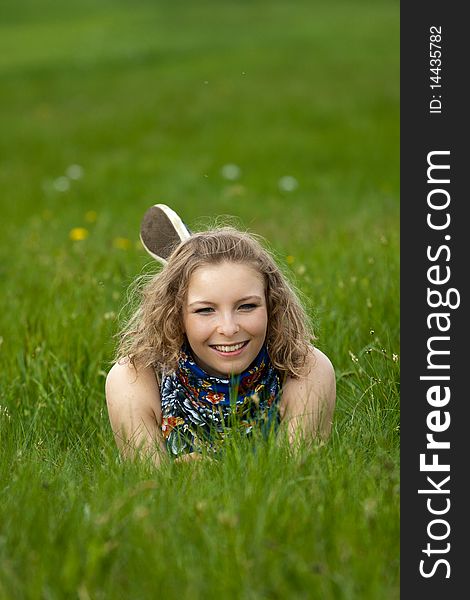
228 325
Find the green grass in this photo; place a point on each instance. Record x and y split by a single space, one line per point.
151 99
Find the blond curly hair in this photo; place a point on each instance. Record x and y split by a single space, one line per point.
154 333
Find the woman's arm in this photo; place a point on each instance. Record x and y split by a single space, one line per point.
308 403
134 410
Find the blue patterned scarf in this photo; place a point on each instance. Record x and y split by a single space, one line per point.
199 410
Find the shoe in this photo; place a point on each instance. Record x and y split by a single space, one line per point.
161 231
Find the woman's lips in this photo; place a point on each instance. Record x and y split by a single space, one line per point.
229 349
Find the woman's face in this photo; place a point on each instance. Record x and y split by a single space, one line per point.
225 317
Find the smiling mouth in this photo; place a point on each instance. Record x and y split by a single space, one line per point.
227 348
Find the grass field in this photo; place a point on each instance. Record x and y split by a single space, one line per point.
107 108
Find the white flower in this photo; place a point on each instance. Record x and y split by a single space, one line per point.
230 171
74 171
288 183
61 184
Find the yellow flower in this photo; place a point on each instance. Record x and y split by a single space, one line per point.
232 191
90 216
122 243
78 233
290 259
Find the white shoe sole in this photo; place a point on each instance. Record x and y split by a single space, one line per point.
161 231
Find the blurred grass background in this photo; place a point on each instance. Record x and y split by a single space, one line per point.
106 108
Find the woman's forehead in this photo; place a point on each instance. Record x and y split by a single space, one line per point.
226 278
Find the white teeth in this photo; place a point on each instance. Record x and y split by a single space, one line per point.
229 348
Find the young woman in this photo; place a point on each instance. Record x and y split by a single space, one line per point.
219 341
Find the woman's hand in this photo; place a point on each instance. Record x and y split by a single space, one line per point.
188 457
191 456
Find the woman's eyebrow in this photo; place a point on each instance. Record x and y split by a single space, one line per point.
244 299
202 302
249 298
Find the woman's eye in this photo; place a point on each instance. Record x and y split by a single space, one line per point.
247 306
204 311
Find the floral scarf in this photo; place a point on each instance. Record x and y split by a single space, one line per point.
199 410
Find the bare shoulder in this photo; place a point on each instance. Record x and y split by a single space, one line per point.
308 402
320 366
319 379
125 385
122 373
